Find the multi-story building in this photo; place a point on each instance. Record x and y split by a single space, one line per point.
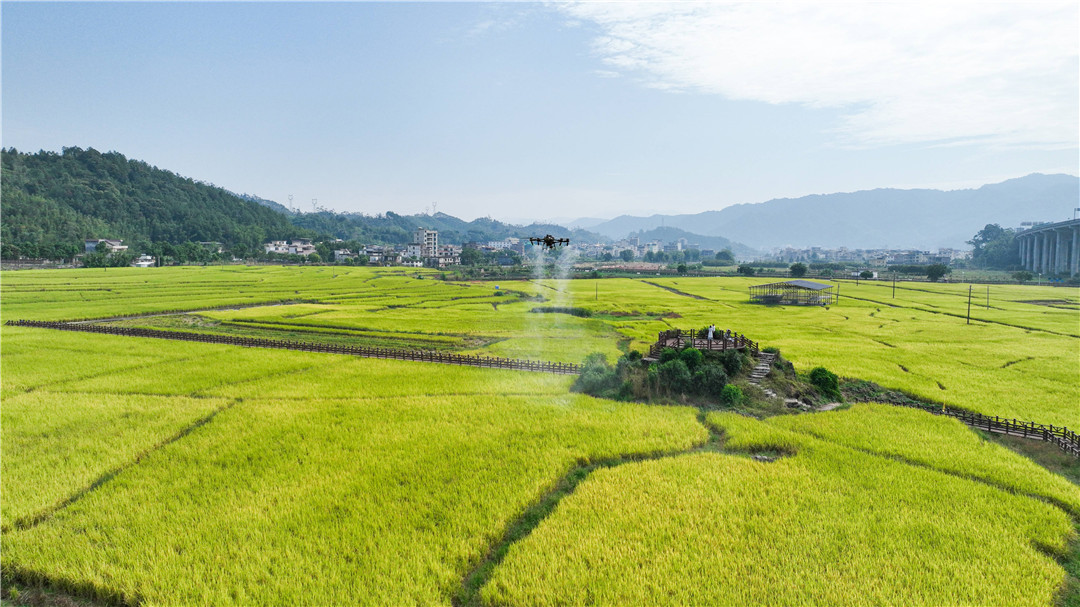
428 241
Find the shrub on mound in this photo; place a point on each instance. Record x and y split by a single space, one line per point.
692 357
675 376
733 361
732 395
709 380
826 382
597 377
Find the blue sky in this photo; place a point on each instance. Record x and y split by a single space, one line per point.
523 111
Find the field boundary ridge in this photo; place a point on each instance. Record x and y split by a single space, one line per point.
476 360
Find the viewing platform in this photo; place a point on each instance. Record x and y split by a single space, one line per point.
722 340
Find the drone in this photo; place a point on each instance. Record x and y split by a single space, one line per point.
549 241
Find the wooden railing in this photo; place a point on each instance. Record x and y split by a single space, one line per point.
721 341
492 362
1067 440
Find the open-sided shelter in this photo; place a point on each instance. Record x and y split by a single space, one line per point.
793 292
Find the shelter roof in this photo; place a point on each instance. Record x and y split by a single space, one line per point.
802 284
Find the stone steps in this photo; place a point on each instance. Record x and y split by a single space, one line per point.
764 366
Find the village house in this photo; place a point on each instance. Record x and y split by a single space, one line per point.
143 261
92 244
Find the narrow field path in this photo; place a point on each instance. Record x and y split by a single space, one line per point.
520 528
490 362
676 291
268 304
41 516
962 316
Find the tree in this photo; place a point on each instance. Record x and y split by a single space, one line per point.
726 256
1022 276
797 269
866 274
995 247
746 270
314 258
626 255
607 256
936 271
681 268
471 256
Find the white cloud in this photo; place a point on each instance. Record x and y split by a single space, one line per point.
992 73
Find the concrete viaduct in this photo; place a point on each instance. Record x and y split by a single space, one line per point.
1051 248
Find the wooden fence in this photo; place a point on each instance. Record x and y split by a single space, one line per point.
1067 440
491 362
721 341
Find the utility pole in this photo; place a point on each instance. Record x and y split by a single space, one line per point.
969 305
894 285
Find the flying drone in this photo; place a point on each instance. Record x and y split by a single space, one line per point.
549 241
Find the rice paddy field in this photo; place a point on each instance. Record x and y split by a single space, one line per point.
159 472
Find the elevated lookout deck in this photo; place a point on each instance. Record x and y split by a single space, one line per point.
721 341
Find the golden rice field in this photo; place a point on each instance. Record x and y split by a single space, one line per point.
827 525
162 473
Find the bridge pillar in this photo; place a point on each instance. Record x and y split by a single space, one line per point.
1075 265
1046 261
1036 253
1060 252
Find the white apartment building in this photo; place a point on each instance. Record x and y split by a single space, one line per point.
428 241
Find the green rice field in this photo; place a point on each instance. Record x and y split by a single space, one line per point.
160 472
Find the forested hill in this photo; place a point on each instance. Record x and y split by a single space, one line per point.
51 202
391 228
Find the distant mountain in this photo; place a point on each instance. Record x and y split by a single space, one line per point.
922 218
51 202
583 223
716 243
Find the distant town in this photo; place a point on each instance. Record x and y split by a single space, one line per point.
681 255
